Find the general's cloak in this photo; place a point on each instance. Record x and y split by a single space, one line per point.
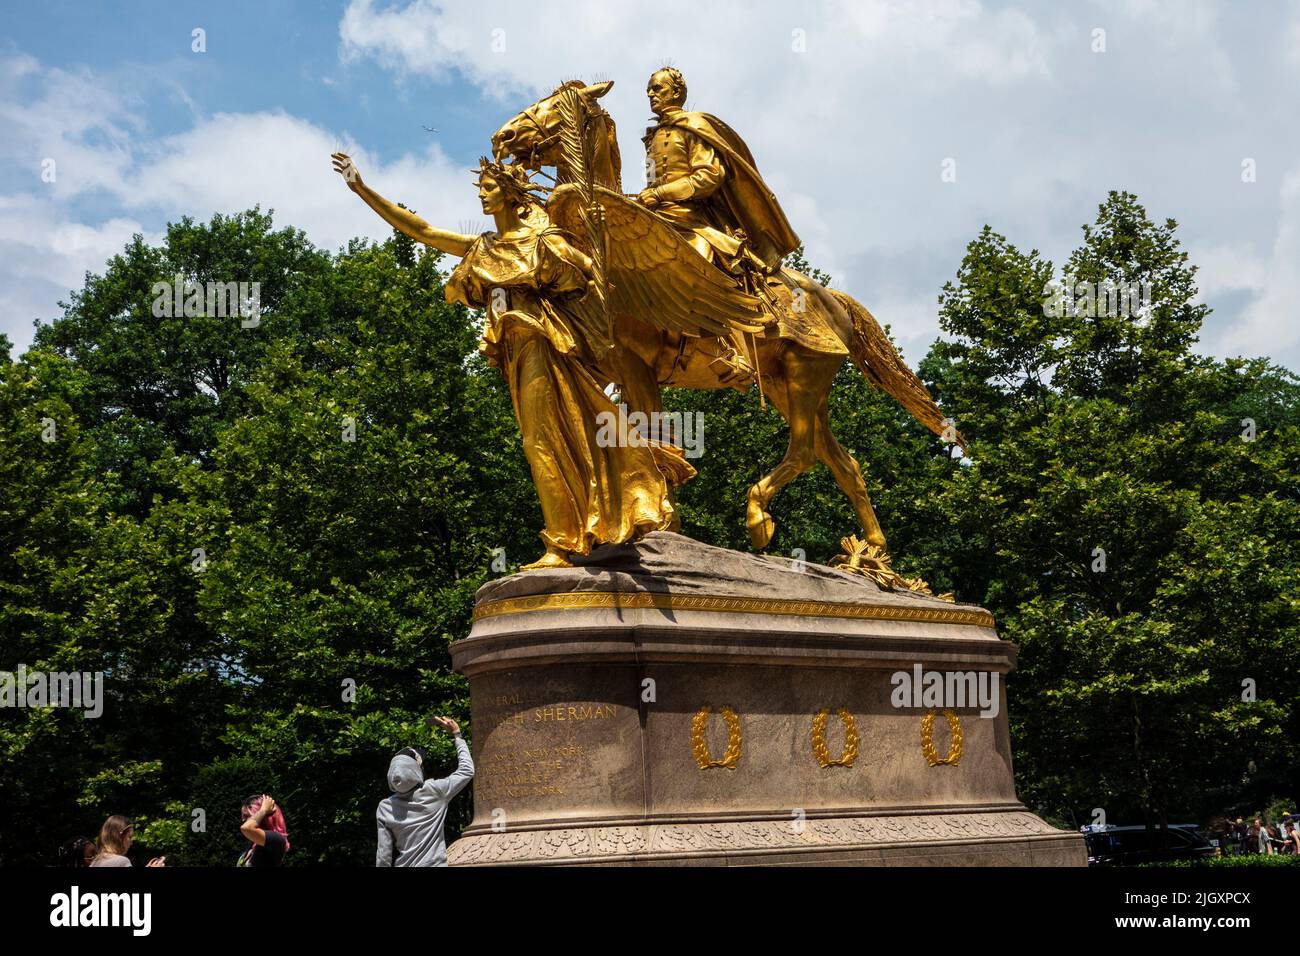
744 197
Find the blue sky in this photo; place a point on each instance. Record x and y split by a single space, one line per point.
268 55
850 109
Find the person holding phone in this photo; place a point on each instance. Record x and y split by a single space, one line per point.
411 820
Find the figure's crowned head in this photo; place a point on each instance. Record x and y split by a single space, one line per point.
666 89
506 184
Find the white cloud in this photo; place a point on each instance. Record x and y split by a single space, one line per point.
72 120
234 161
1293 33
1269 324
43 256
1226 268
226 163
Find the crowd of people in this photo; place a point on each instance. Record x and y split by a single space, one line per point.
263 826
1258 836
411 821
115 839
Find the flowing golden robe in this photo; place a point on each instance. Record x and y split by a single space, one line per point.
530 282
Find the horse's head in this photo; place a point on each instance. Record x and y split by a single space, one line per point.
533 136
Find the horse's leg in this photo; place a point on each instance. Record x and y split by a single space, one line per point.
848 476
797 392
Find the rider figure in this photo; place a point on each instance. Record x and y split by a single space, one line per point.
703 180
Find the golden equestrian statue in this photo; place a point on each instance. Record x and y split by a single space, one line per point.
707 202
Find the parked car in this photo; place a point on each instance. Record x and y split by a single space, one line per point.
1128 846
1199 832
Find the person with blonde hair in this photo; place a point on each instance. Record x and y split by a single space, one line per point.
115 839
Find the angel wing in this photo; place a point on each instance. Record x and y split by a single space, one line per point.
655 274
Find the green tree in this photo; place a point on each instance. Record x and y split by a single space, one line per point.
1122 528
267 537
159 382
354 510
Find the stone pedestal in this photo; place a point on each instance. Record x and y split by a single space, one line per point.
673 703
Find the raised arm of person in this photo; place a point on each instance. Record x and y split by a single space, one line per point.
252 827
448 787
403 220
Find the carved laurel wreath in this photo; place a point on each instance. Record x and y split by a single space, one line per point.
823 755
700 745
927 739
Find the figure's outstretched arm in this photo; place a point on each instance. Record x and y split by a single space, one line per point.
403 220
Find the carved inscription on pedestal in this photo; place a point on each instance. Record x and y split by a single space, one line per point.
537 748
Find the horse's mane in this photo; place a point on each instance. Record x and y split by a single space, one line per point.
611 133
615 157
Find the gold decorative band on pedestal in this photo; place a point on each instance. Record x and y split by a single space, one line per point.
622 600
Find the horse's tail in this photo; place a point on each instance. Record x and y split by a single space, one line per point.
882 366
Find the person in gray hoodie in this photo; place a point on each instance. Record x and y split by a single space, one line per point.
411 820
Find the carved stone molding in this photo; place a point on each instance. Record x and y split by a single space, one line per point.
646 843
587 600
